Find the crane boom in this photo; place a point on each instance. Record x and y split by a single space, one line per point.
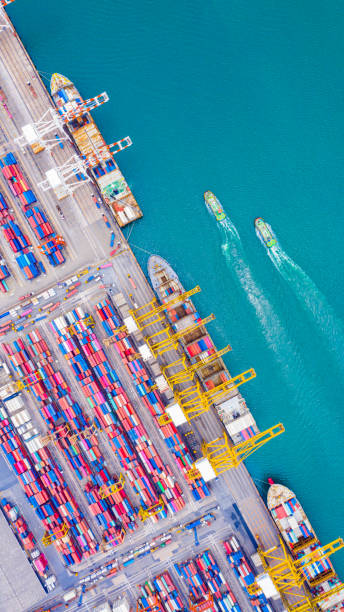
188 372
164 345
223 456
194 401
156 309
85 107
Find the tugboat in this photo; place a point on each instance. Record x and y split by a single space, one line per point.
214 206
265 233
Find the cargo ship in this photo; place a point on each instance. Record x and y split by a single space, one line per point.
92 146
300 538
214 206
198 346
265 233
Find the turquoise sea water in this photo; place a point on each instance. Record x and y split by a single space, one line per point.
245 99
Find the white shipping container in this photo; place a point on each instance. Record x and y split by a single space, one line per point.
59 322
129 212
14 404
34 444
28 435
122 217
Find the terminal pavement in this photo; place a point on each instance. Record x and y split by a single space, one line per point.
130 577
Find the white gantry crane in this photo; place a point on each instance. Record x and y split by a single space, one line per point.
46 133
67 178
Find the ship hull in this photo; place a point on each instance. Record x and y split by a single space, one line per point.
214 206
298 534
232 411
89 141
265 233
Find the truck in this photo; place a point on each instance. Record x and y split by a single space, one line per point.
70 595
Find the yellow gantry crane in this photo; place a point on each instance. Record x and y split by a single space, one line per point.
223 456
171 340
84 434
107 490
64 431
288 575
56 534
194 401
188 372
155 606
142 319
146 513
61 431
111 339
120 537
88 321
26 381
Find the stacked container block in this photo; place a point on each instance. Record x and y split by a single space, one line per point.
149 478
46 490
297 532
25 537
300 538
4 274
164 590
65 418
53 250
202 345
38 222
317 570
16 181
111 320
29 265
19 242
35 216
243 571
203 576
115 509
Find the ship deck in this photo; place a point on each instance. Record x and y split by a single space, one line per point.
167 284
90 142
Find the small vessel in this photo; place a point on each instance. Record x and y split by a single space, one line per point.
265 233
214 206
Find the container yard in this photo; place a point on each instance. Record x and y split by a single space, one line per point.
28 542
242 568
208 589
123 434
161 591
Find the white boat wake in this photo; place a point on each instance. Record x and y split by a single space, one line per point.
275 335
328 325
